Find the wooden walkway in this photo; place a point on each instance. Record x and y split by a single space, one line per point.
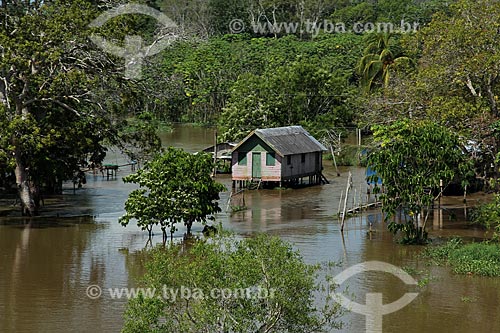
363 207
110 170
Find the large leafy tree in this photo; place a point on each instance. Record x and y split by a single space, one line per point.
456 81
413 158
61 97
175 187
460 72
462 52
46 69
253 285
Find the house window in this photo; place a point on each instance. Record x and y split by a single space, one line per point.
289 160
242 158
270 159
303 158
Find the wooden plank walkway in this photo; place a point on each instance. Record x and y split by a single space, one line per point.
363 207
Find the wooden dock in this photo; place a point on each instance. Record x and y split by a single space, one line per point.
110 171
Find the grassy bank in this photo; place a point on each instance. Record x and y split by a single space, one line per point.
472 258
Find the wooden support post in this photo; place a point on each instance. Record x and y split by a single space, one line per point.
465 194
354 199
340 202
334 161
215 154
229 200
349 181
440 192
360 199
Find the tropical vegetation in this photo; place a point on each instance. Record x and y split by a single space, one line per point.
416 160
174 187
466 258
257 284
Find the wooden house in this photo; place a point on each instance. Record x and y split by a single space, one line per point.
284 155
223 156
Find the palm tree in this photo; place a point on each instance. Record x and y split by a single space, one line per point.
379 57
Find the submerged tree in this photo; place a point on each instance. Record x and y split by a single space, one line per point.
413 159
227 285
45 72
61 97
175 187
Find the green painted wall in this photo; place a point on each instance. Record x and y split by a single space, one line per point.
255 144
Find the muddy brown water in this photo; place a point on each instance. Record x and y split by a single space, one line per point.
46 265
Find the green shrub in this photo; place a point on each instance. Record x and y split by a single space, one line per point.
473 258
488 216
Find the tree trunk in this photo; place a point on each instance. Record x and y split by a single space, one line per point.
28 191
491 95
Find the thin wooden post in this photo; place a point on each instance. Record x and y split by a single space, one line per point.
349 180
340 202
334 161
229 201
440 192
360 199
354 199
215 153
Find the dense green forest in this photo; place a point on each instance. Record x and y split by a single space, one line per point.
248 80
64 100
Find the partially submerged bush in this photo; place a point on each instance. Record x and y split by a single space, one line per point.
287 288
488 216
473 258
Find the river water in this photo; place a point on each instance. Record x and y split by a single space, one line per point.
47 264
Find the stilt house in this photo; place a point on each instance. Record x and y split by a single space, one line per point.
284 155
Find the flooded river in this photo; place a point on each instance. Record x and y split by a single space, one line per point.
47 265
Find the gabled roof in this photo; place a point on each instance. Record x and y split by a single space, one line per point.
289 140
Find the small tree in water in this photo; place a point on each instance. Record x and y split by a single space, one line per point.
228 285
174 187
412 159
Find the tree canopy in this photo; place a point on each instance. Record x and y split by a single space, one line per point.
257 284
62 100
414 159
175 187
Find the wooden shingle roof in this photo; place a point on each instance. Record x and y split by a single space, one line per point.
289 140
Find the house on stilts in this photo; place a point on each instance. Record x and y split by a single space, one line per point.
283 156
